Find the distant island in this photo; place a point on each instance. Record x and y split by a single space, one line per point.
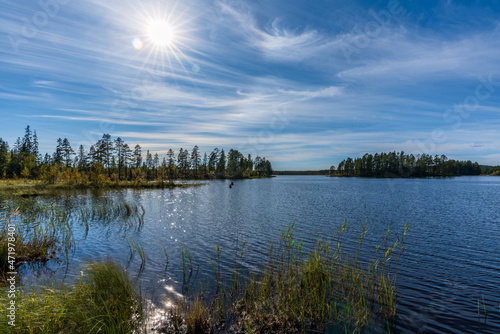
401 165
112 162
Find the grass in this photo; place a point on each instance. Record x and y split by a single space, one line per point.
26 187
28 241
298 290
103 301
42 230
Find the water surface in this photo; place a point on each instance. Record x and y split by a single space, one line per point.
452 256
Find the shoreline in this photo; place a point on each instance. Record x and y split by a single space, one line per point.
26 187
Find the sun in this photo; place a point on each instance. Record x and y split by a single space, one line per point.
161 33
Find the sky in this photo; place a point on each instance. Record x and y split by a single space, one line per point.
303 83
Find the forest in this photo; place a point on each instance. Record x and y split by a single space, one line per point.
114 160
399 164
490 170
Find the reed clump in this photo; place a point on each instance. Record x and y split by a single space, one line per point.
24 241
103 300
299 290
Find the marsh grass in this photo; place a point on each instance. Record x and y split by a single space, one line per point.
103 300
187 269
25 187
30 241
299 290
44 230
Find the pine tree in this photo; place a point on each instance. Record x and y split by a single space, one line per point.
156 162
137 156
82 158
58 154
213 160
149 163
170 163
195 160
127 157
67 152
107 149
27 142
119 148
4 158
221 164
234 163
47 159
34 148
249 163
205 163
182 161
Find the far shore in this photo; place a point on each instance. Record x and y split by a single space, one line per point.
25 187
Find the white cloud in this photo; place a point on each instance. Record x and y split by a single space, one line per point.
275 41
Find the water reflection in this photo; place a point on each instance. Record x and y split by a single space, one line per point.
451 259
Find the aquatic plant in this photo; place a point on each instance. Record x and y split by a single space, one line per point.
299 290
43 228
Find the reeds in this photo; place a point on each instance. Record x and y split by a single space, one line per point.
187 269
43 229
31 240
298 290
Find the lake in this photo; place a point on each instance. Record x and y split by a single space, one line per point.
452 257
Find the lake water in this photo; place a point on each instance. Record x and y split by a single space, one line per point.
452 256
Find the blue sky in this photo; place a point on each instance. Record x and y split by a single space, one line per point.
303 83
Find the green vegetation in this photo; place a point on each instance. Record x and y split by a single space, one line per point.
490 170
104 300
41 231
109 162
404 166
26 187
35 244
298 290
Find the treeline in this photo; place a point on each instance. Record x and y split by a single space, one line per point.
302 172
399 164
115 160
490 170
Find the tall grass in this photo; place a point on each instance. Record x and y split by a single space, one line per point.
302 290
103 301
31 241
44 230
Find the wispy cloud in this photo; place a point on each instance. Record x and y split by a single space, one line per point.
275 40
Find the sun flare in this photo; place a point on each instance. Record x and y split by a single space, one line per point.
161 33
162 36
